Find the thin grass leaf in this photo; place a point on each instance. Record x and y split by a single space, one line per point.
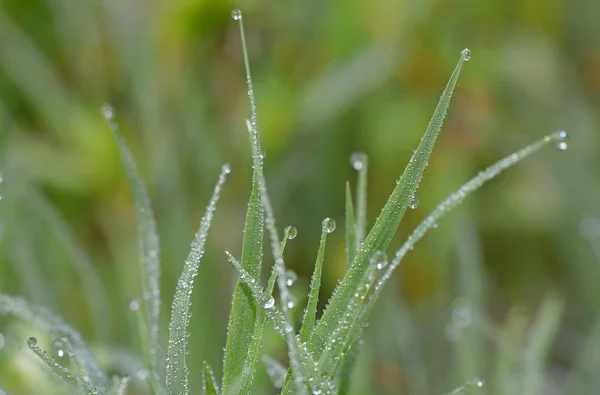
209 383
257 155
60 370
386 225
310 369
176 367
248 372
445 207
360 163
122 385
351 245
541 335
475 383
275 371
47 320
310 313
149 248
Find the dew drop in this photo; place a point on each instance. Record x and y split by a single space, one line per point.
236 14
316 391
291 232
134 305
270 303
291 304
561 142
108 112
328 225
358 160
466 54
290 277
58 347
226 168
32 341
414 202
480 383
379 260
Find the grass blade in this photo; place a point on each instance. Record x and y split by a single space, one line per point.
122 385
47 320
246 382
149 247
385 227
310 313
209 381
351 245
475 383
176 367
360 163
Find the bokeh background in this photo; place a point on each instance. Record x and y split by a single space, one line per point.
506 289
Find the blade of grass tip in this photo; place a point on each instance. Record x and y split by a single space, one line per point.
310 369
351 244
59 370
243 310
275 371
542 333
360 163
385 227
49 321
122 385
209 382
257 155
449 204
176 367
310 313
92 285
290 233
149 247
475 383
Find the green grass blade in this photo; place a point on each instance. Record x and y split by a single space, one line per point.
49 321
243 310
298 350
445 207
385 227
474 383
310 313
360 163
208 381
246 383
149 247
176 367
60 370
350 228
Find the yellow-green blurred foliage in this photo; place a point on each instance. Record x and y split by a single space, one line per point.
331 77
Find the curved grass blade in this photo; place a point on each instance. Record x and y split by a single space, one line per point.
310 369
279 266
442 209
351 245
176 367
208 381
386 225
310 313
47 320
149 247
257 337
59 370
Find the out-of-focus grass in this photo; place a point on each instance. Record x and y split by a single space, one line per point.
330 78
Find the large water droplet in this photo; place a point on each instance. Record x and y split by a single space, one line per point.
316 391
466 54
270 303
328 225
379 260
236 14
291 232
290 277
561 142
59 347
108 112
226 168
414 202
480 383
32 341
358 160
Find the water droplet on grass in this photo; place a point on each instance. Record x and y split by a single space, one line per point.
32 341
59 348
291 232
270 303
414 202
108 112
466 54
358 160
290 277
561 143
328 225
236 14
227 168
379 260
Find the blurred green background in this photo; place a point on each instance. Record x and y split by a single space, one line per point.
505 289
